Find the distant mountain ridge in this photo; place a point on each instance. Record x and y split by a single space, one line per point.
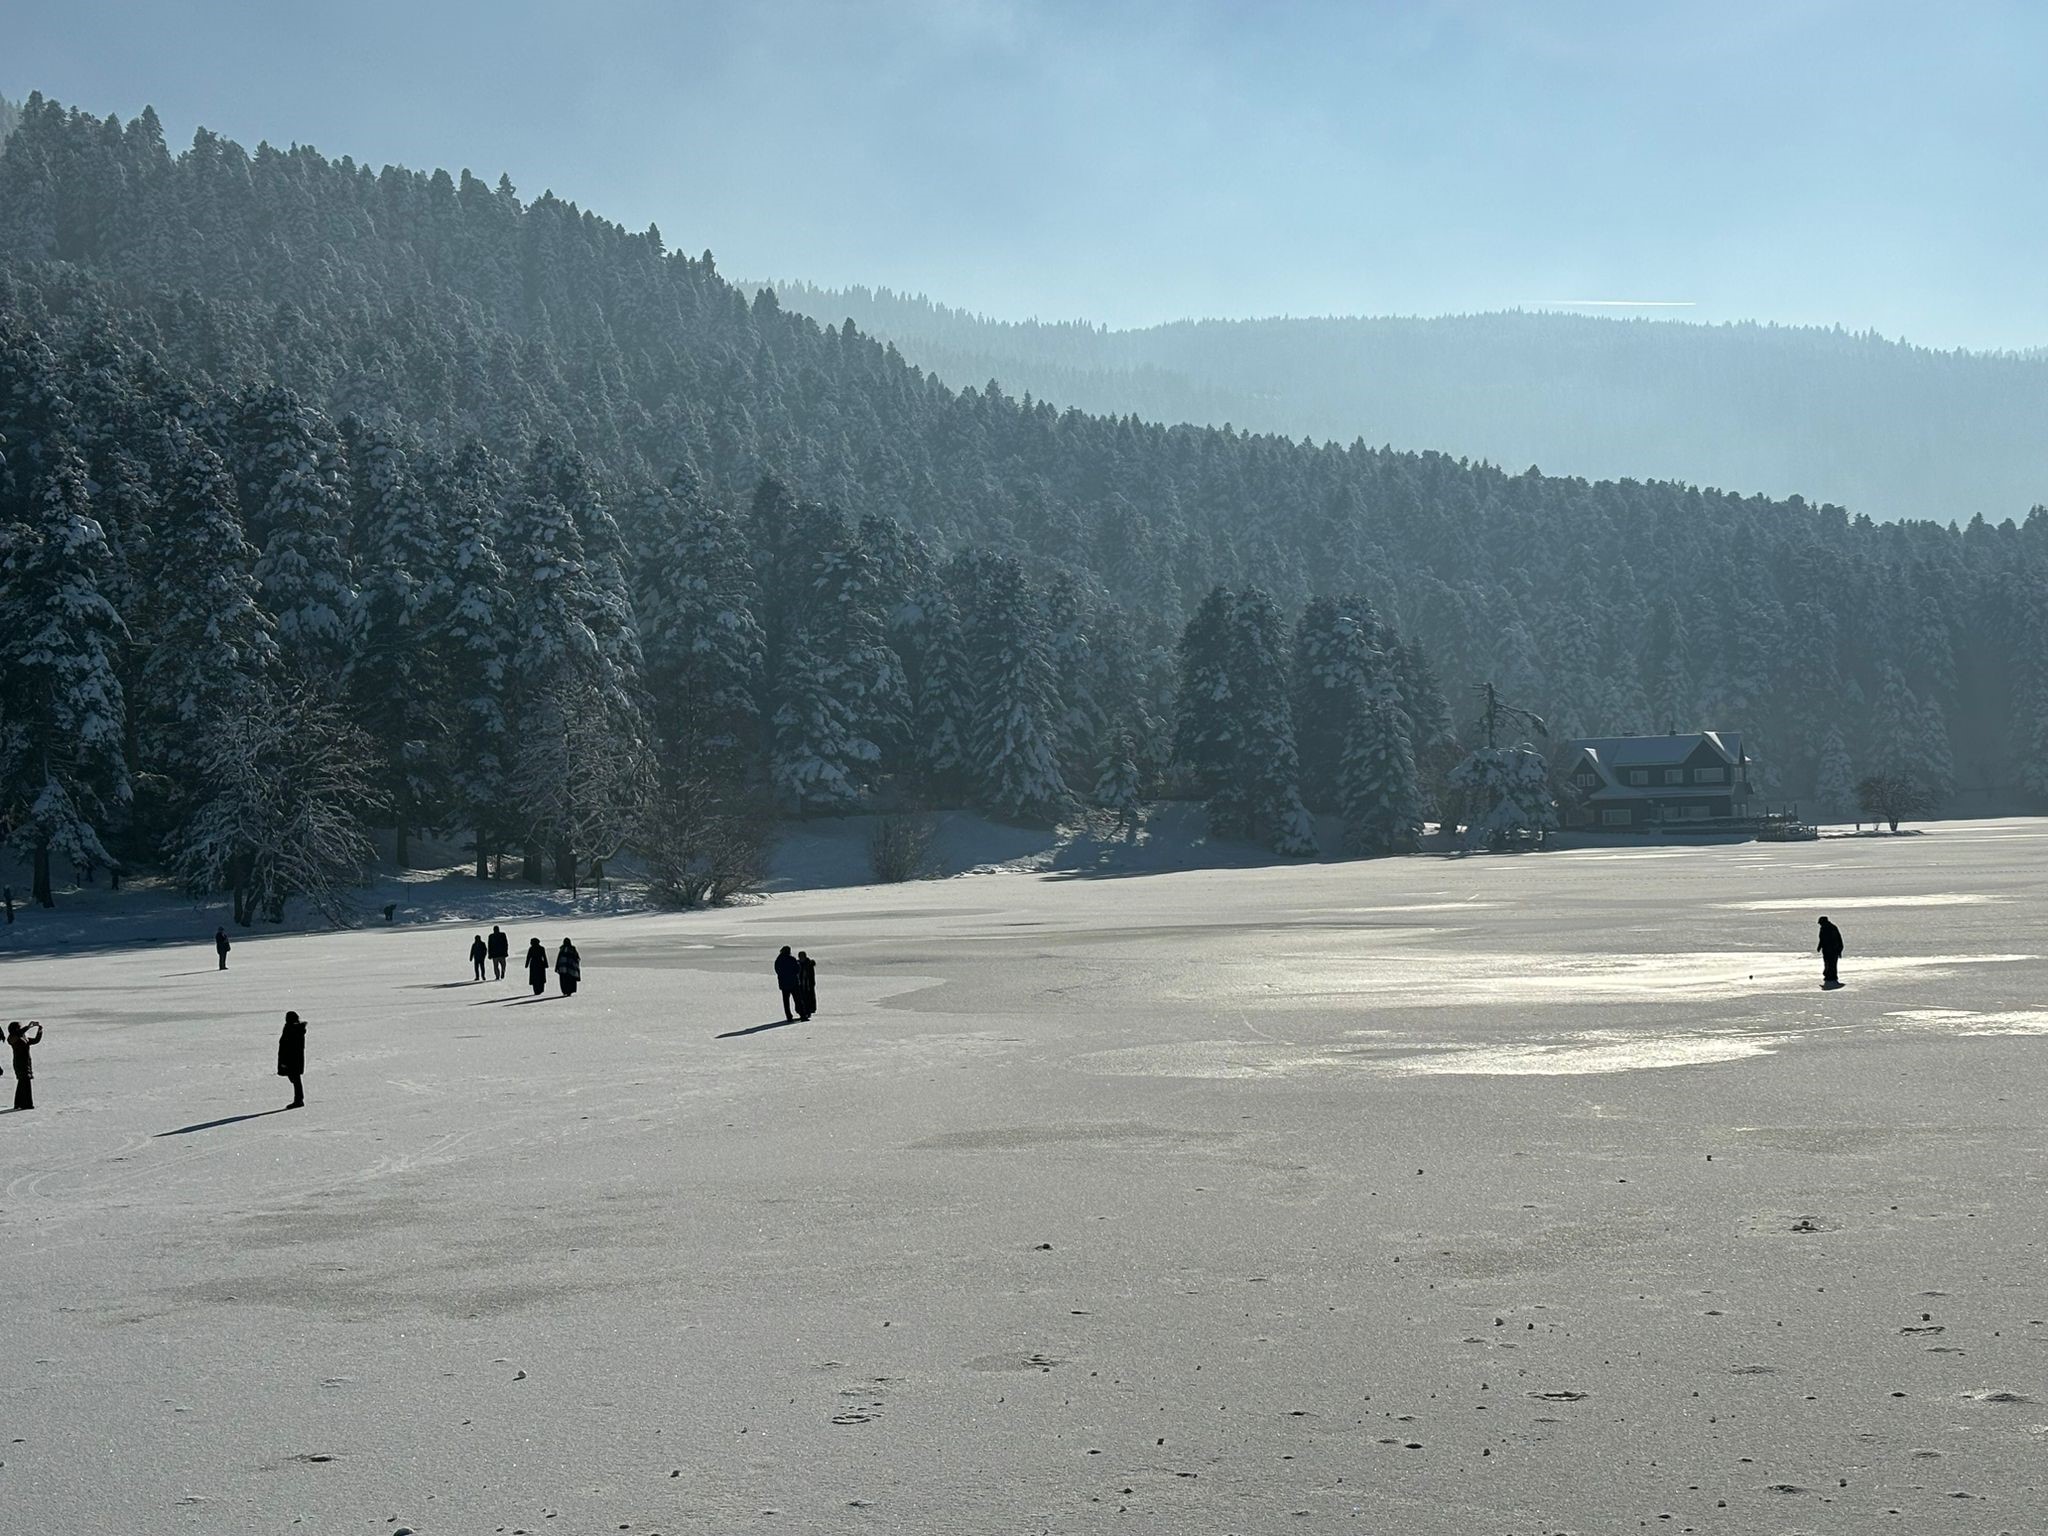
1881 427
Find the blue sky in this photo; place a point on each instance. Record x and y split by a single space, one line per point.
1857 162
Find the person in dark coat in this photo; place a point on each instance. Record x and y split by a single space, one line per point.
1830 947
787 975
291 1058
221 946
806 985
568 968
501 950
537 967
478 953
18 1041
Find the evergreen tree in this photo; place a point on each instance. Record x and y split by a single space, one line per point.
475 650
1265 728
63 728
210 645
819 760
402 604
296 497
1013 727
945 700
1383 801
1117 786
1205 743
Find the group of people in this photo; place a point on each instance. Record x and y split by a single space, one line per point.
797 976
497 950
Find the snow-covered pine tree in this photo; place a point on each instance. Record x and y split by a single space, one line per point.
1667 674
1937 759
297 506
63 715
2029 728
1205 741
1383 802
945 701
847 615
474 649
1336 668
1082 721
1013 727
693 595
1835 777
1265 727
210 644
396 683
1117 785
818 760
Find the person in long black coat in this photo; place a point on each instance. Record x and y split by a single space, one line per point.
1830 948
568 968
806 985
501 951
291 1057
787 974
478 953
537 967
221 946
18 1042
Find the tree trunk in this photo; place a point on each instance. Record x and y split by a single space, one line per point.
483 856
401 847
40 886
565 865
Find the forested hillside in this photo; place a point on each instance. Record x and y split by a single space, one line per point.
1878 426
328 489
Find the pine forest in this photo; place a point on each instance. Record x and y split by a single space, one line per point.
337 501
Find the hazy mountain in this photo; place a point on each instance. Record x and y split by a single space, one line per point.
1879 426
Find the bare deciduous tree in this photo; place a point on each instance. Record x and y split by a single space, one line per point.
280 814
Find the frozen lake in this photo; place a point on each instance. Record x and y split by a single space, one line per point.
1487 1195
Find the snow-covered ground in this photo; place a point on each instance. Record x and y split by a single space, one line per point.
1509 1194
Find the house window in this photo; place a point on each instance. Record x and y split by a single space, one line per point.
1674 775
1614 818
1639 775
1710 775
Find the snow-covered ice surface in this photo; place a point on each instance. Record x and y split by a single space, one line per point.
1507 1194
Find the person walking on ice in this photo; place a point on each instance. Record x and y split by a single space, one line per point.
568 968
221 946
291 1058
1830 948
18 1041
478 953
501 950
806 985
537 967
788 975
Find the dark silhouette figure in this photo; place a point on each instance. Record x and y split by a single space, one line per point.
478 953
568 968
806 985
221 946
18 1041
501 951
787 975
291 1058
537 967
1830 947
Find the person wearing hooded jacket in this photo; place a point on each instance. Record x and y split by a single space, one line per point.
291 1058
537 967
568 968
